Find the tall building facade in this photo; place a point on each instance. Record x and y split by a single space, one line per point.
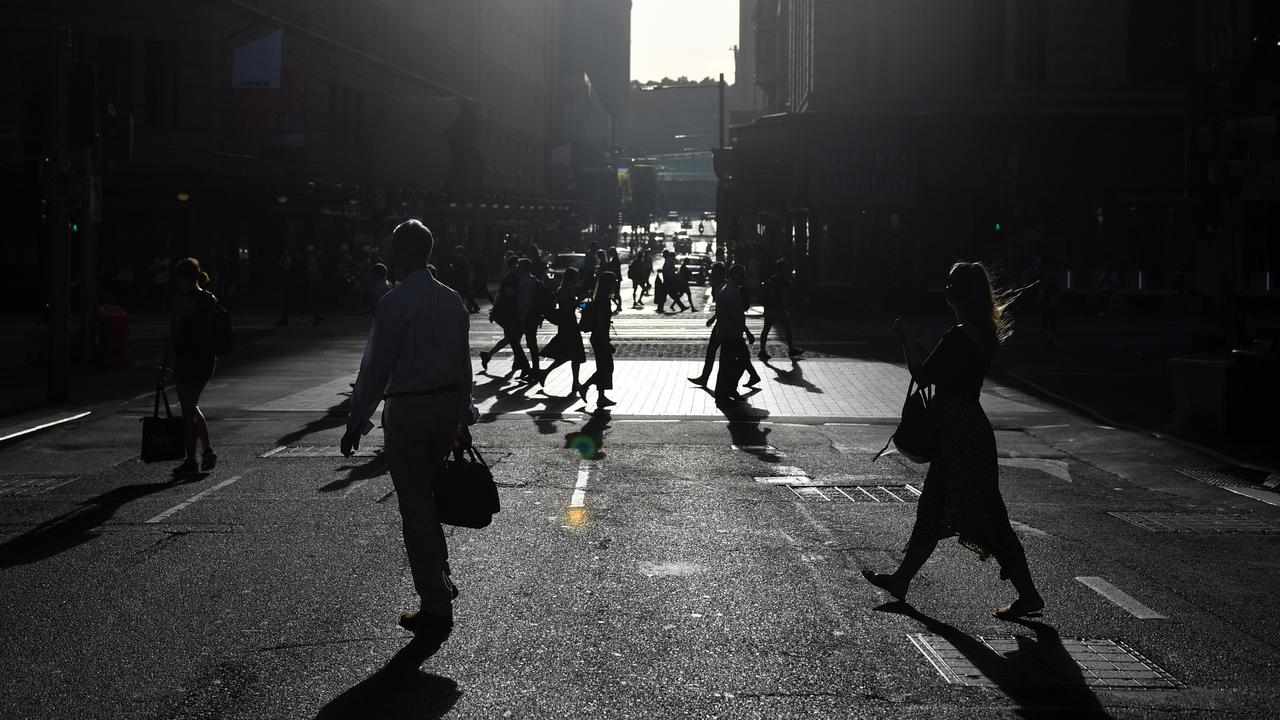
594 79
273 138
1085 139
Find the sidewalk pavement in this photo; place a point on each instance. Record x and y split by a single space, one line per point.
23 390
1113 368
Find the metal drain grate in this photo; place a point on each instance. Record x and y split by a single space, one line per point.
1198 523
315 451
1028 662
856 493
31 485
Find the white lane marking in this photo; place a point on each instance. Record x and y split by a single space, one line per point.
1046 427
192 500
1121 598
354 487
1054 468
579 498
1029 530
279 449
43 426
1263 496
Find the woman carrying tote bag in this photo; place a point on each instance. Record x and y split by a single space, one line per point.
961 492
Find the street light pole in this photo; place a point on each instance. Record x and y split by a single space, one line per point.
59 299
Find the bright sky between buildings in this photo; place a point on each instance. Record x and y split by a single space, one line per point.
670 38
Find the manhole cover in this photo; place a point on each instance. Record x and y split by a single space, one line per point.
1199 523
856 493
1031 662
30 485
315 451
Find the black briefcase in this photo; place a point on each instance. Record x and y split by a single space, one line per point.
465 493
162 437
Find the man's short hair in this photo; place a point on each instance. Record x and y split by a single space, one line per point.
412 241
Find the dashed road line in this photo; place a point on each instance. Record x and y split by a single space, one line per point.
44 426
191 500
1121 598
580 488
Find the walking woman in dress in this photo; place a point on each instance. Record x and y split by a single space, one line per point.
596 320
566 346
961 491
191 331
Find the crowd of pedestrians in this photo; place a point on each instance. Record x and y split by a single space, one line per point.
417 360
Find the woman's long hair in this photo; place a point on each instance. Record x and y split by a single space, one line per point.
977 302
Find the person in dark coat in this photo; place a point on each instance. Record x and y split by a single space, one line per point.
596 320
506 313
566 346
613 264
777 309
192 336
961 491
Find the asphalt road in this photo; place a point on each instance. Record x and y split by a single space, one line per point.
709 569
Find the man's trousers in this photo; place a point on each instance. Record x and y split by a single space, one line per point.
419 434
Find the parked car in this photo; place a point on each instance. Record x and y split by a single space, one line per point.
563 261
699 268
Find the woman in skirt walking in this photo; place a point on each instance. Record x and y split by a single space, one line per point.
596 320
961 492
566 346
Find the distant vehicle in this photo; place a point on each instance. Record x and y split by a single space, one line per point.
563 261
686 224
673 215
699 267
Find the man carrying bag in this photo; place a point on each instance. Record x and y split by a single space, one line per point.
418 359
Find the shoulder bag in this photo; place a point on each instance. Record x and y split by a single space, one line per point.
916 436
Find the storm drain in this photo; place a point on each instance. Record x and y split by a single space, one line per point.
31 485
1028 662
1198 523
315 451
856 493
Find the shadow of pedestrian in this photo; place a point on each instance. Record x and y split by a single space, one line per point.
552 409
793 377
397 690
589 439
376 466
1040 676
335 416
509 402
72 528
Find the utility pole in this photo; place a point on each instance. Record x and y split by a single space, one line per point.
56 188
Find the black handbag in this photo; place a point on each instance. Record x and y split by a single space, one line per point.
465 493
917 434
162 437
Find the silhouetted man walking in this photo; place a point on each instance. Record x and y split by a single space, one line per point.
418 360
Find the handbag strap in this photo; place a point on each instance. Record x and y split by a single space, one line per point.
911 388
160 393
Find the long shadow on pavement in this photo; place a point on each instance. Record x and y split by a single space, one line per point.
397 690
793 377
72 528
1040 676
589 439
376 466
335 416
